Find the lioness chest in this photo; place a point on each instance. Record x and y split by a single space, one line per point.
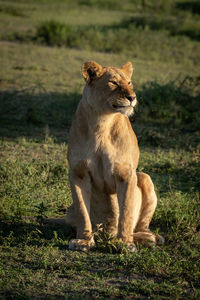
102 149
108 153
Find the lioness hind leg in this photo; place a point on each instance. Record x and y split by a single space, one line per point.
149 203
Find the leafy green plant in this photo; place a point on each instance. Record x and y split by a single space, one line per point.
41 210
55 33
107 243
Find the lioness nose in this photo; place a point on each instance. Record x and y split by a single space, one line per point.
131 98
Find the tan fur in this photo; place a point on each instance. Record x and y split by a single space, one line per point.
103 156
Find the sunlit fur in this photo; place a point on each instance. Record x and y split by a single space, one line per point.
103 156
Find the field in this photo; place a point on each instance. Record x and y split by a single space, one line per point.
42 47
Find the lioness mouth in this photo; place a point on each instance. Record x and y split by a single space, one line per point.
119 106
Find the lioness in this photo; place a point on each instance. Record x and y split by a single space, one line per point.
103 156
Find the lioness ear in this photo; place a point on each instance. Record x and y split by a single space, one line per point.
128 69
91 71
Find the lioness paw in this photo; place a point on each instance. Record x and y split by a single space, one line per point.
148 238
81 245
160 239
131 247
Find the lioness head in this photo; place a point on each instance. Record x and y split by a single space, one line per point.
108 89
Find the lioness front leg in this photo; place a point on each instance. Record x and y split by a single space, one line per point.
148 206
81 194
126 184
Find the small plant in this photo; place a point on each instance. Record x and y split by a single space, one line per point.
55 33
41 210
107 243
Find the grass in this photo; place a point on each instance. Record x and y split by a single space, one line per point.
115 38
40 86
170 34
34 177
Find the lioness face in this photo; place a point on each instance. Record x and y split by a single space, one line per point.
111 88
119 93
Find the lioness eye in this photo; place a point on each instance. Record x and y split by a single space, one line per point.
130 82
114 82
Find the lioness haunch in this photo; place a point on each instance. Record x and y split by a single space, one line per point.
103 156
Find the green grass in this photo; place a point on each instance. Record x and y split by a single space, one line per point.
167 34
151 42
40 87
34 177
